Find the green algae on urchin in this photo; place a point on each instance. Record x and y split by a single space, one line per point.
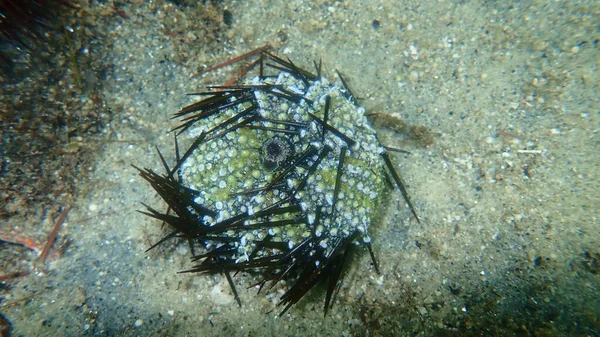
282 179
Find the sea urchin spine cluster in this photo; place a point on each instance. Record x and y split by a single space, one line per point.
24 23
282 179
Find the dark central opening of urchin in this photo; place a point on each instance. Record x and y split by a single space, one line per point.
275 151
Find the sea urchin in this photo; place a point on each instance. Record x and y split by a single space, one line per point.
25 23
282 179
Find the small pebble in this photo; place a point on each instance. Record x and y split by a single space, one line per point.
138 323
92 207
182 249
376 24
227 17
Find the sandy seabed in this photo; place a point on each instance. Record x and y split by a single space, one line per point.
508 194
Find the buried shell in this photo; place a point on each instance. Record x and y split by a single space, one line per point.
282 179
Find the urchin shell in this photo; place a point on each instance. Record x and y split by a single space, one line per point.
296 220
225 168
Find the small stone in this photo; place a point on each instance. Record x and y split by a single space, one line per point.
138 323
182 249
575 49
414 76
220 296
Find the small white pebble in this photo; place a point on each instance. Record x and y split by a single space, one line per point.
182 249
575 49
92 207
138 323
171 313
